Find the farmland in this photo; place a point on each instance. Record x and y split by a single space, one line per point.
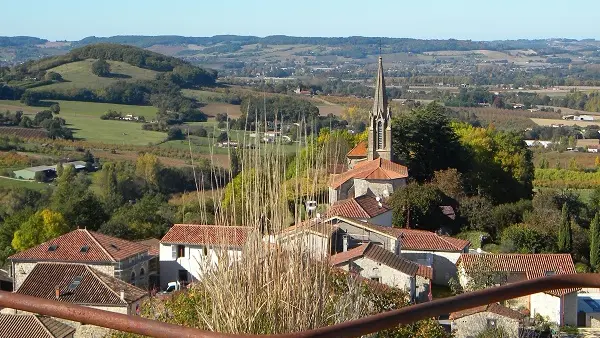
84 119
79 75
550 122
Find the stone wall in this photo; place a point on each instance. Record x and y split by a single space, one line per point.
471 326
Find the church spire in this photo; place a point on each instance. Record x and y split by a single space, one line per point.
380 130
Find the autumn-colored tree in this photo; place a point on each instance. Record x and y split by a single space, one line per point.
355 115
147 168
40 227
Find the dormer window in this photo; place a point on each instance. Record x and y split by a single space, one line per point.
550 273
114 246
53 247
84 248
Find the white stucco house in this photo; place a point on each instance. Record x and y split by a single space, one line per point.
187 251
122 259
471 322
373 262
365 208
558 306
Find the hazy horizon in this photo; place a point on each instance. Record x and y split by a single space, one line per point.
463 19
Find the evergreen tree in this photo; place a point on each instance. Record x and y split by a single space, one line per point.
59 170
595 241
565 238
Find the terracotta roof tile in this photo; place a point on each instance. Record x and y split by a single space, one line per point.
19 326
377 169
153 245
493 308
359 207
359 150
196 234
378 254
533 265
425 271
95 288
100 248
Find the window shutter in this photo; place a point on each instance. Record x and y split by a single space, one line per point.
174 251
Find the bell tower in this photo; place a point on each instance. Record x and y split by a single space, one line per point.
380 118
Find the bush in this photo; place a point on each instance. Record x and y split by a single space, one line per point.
175 133
101 68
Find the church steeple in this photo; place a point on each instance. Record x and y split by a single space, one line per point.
380 129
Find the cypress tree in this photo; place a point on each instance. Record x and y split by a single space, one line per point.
595 242
564 231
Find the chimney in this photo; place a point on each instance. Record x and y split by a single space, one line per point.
57 292
122 294
345 243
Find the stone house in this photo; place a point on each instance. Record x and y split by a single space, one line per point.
338 234
558 306
83 285
14 326
364 208
378 264
187 251
469 323
378 177
122 259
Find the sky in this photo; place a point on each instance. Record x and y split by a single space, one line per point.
427 19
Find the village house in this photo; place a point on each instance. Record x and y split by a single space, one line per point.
364 208
559 306
187 251
471 322
17 326
338 234
378 264
125 260
83 285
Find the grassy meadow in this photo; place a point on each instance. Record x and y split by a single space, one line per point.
84 119
79 75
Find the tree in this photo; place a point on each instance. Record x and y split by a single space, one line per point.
425 142
565 240
450 182
110 194
223 137
41 176
42 116
521 238
483 273
175 133
147 168
59 170
26 122
235 161
55 108
477 211
417 205
40 227
101 68
595 242
7 230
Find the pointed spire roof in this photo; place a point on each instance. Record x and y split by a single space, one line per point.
381 101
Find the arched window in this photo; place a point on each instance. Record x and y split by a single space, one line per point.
380 135
132 278
142 272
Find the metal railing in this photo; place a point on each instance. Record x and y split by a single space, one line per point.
355 328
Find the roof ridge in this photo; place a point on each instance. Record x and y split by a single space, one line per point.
100 245
50 334
96 275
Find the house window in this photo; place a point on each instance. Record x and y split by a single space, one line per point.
132 278
376 279
183 275
491 323
180 251
142 272
380 135
205 251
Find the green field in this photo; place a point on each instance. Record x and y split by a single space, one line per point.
84 119
79 75
8 183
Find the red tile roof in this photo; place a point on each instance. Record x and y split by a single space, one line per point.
359 207
153 245
425 271
196 234
100 248
95 288
19 326
493 308
533 265
359 150
383 256
377 169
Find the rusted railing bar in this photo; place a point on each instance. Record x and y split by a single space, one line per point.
354 328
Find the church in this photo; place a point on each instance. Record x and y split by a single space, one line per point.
371 170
